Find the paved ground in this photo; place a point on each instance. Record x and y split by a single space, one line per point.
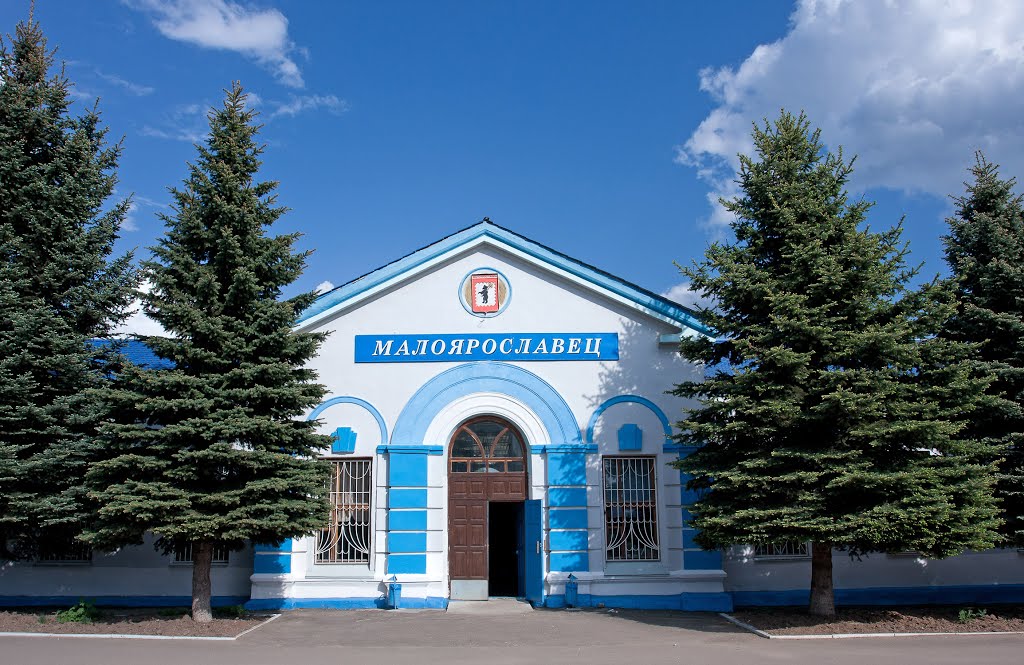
541 637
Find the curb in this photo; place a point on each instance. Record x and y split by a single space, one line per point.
124 636
844 636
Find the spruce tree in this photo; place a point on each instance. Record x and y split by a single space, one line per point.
214 452
60 289
830 412
985 251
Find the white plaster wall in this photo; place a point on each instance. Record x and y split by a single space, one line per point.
132 571
541 302
995 566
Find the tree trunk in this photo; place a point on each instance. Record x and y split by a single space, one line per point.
202 557
822 599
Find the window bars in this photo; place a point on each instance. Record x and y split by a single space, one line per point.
630 509
347 536
183 554
788 548
65 551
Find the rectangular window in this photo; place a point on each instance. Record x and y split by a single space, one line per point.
346 539
630 509
64 551
790 549
184 555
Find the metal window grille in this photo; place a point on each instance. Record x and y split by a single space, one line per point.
66 552
183 554
630 509
347 536
789 548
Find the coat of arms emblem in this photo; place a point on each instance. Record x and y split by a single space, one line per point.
485 292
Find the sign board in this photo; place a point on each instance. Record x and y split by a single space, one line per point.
427 348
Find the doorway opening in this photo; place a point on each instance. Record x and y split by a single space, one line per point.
505 548
486 491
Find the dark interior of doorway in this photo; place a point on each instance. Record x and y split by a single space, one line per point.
505 544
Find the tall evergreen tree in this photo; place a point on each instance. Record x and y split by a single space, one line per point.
985 251
213 452
60 287
830 411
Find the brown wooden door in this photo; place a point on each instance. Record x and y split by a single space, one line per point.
487 463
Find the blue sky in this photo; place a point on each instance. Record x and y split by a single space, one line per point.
605 130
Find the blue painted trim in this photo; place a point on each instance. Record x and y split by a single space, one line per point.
635 399
487 376
344 441
272 564
406 543
411 450
930 595
407 520
345 399
702 560
631 292
486 315
689 602
571 518
407 564
631 437
407 498
566 497
285 546
568 541
585 448
567 469
569 562
428 603
116 601
407 470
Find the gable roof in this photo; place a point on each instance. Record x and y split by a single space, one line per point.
489 233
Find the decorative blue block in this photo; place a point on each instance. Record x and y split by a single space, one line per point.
344 441
631 437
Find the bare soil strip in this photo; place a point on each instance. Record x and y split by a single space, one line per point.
787 622
141 622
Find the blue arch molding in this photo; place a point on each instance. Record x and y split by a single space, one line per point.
635 399
358 402
479 377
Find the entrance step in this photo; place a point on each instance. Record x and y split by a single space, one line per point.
490 607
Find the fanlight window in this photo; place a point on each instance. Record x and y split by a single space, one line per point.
487 446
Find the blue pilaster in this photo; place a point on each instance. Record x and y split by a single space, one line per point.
567 507
272 559
694 558
407 507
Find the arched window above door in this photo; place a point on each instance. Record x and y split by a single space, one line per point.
487 445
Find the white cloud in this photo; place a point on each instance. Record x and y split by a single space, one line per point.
912 87
323 287
185 122
685 295
136 89
299 103
130 223
260 34
138 323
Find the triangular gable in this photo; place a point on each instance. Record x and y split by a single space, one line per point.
486 232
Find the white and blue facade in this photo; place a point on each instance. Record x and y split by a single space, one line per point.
577 362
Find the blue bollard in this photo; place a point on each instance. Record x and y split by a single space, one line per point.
571 591
394 593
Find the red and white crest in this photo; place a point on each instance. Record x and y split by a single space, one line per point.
486 296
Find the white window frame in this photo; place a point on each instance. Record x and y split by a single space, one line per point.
360 569
655 529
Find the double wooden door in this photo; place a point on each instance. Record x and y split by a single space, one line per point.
487 463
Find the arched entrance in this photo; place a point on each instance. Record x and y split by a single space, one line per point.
486 491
